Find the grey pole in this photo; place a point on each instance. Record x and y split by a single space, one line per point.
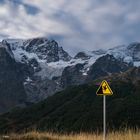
104 117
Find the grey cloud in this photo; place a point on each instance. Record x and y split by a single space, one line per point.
77 25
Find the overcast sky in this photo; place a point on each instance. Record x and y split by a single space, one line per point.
75 24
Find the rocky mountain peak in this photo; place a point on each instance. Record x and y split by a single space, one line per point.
38 48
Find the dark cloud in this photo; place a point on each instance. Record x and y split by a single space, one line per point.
30 9
2 1
3 36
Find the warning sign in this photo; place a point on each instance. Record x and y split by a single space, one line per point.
104 89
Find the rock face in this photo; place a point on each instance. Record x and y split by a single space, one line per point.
82 55
38 89
40 68
11 82
47 50
73 75
107 65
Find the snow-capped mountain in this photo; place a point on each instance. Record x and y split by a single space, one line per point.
47 68
49 60
129 54
46 57
39 48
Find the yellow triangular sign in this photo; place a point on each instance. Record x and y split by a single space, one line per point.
104 89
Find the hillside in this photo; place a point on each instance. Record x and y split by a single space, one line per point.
40 67
79 109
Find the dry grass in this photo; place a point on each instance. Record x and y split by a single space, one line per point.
128 135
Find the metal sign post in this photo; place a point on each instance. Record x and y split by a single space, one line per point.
104 90
104 117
